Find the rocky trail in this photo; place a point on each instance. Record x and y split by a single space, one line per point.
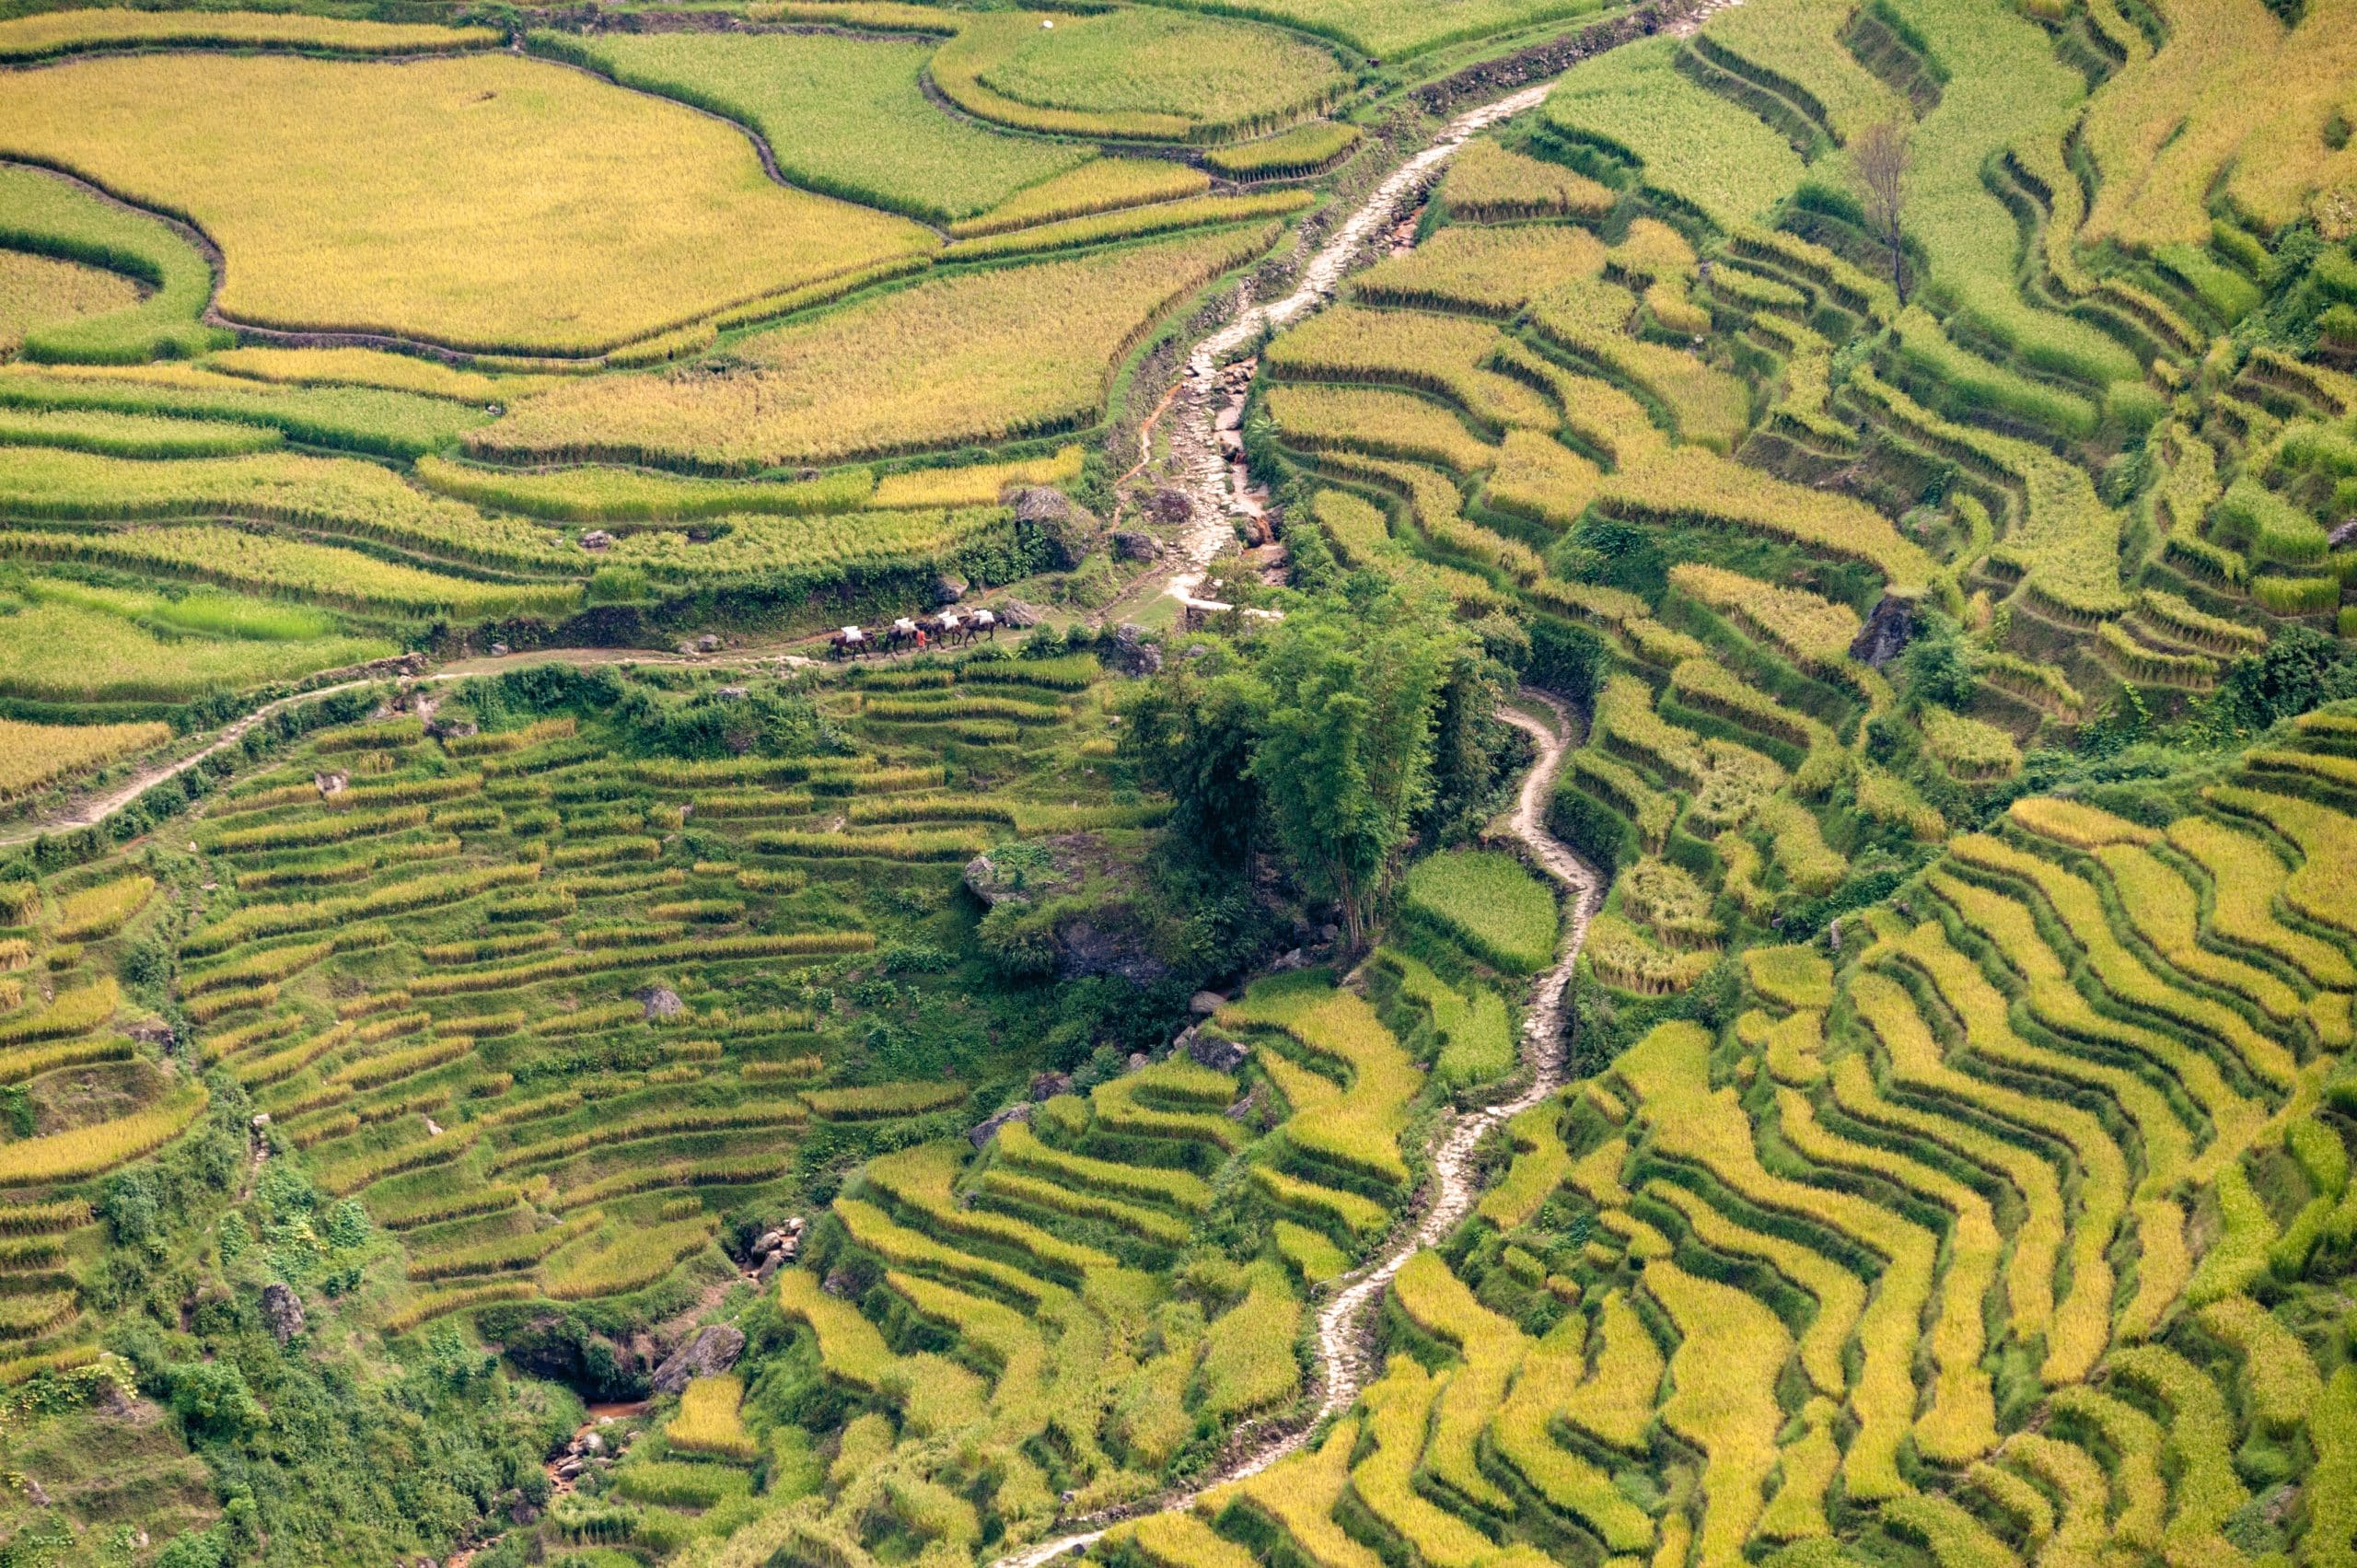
1346 1318
1208 401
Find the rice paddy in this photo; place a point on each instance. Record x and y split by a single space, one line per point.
419 247
882 144
1950 1163
1039 339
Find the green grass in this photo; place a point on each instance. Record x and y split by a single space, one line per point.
42 212
131 434
1502 914
1135 72
365 419
1390 31
329 495
843 115
63 651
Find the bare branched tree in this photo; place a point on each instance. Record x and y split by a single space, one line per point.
1881 155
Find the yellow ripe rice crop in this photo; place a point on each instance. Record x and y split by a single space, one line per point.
2325 887
1693 485
272 566
1248 1355
919 1179
808 548
1437 1302
1969 749
2066 543
2244 877
1962 1420
86 1151
2077 824
2237 1259
1442 355
1600 414
1537 476
1616 1405
1589 316
33 756
1128 223
374 367
1096 186
1389 425
1840 1295
2230 86
1809 864
2201 1439
1551 1369
1359 1129
1361 1216
849 1346
1398 1410
708 1422
2122 973
1814 632
984 356
36 291
1724 1400
1539 1166
1486 183
1668 1070
2081 1322
2055 1001
872 1228
100 911
1487 271
2280 1382
533 208
1298 1494
979 485
1017 1145
61 32
1791 976
1295 154
2165 910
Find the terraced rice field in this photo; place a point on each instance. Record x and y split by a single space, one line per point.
1932 1149
418 247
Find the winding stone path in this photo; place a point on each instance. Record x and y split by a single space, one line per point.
1345 1322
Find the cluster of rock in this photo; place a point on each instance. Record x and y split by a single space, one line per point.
774 1249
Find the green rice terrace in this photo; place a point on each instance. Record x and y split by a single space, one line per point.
1133 783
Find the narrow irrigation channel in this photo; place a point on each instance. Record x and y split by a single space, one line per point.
1345 1321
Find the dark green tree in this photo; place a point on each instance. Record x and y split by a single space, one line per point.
1345 757
1195 739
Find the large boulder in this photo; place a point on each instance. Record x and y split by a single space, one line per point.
714 1350
1067 530
1134 654
982 1132
1131 544
660 1002
1885 636
1217 1052
282 1311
